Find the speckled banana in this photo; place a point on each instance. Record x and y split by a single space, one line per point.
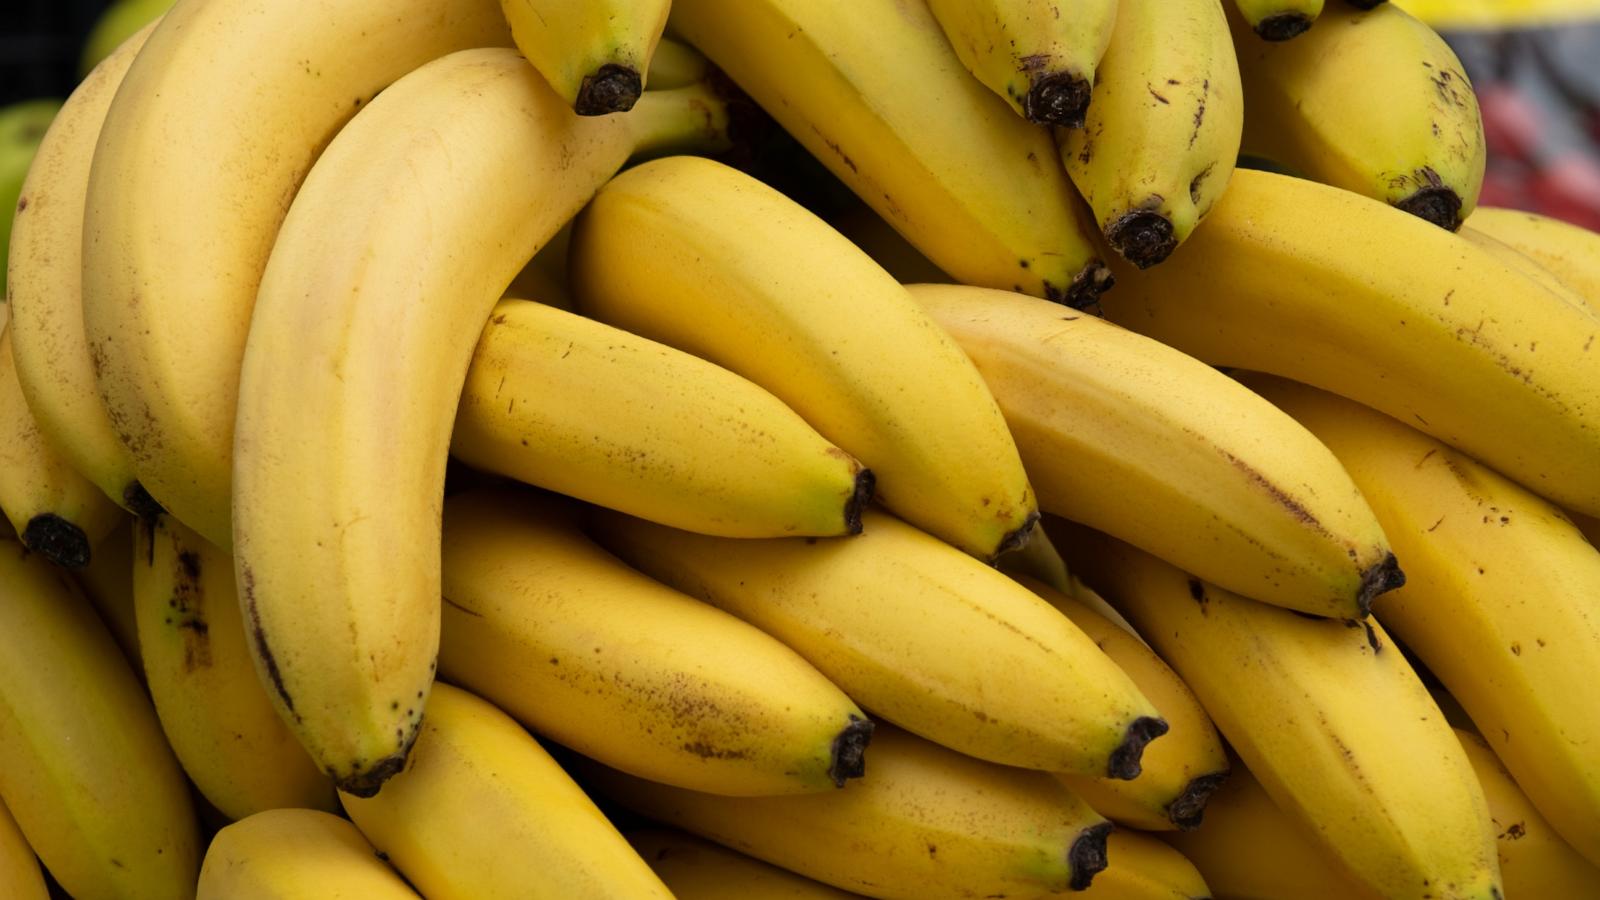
1570 252
20 878
1141 867
1372 101
595 412
1343 292
1039 55
1276 20
874 90
1501 601
594 53
481 810
1134 438
1163 132
290 854
700 870
704 258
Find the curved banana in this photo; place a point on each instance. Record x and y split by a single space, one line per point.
84 767
1180 771
376 292
1039 55
576 406
1526 266
108 582
23 126
1500 604
1141 867
1162 135
1570 252
1277 20
705 258
675 64
919 633
46 291
1372 101
20 878
482 811
700 870
1327 713
588 652
887 247
594 53
1336 290
214 127
923 822
291 854
874 90
1133 438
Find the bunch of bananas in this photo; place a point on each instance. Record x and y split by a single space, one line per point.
1191 528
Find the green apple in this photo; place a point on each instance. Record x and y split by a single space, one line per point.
117 24
22 127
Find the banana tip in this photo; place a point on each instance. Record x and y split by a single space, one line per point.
1059 98
1017 538
1379 579
1143 237
609 89
1188 808
1439 205
137 500
850 751
866 485
57 540
1083 294
1283 26
366 782
1087 856
1124 764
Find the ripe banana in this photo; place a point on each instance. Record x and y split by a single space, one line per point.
700 870
1525 265
46 291
108 582
1370 101
923 822
697 255
482 811
1141 867
20 878
576 406
1339 291
588 652
1570 252
59 513
214 127
1328 715
1180 771
1276 20
594 53
1162 135
1039 55
874 90
1136 439
288 854
377 290
675 64
919 633
83 765
1501 601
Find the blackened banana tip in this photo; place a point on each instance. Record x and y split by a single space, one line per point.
369 780
1083 294
1283 26
850 751
609 89
1439 205
138 501
866 485
1018 538
1124 764
57 540
1087 856
1187 810
1379 579
1142 237
1058 99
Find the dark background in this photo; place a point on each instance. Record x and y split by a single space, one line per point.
40 41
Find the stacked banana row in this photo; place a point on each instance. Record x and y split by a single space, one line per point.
1186 530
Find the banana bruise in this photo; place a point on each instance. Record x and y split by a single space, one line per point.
1373 102
595 53
1276 20
281 854
20 878
481 810
1141 867
1569 252
700 870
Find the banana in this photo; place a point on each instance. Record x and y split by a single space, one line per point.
58 512
289 854
887 247
923 822
482 811
1501 601
20 878
874 90
1180 771
108 582
212 130
1570 252
920 634
1327 107
588 652
700 870
1038 55
1526 266
1163 132
46 291
675 64
1276 20
1136 439
704 258
1329 716
377 290
594 53
1336 290
83 765
1141 867
576 406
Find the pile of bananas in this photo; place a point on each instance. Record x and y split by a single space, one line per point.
302 295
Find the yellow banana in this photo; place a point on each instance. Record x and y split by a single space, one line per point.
1141 867
83 765
1329 716
1500 604
1525 265
700 870
1570 252
377 290
675 64
704 258
1162 135
1039 55
1339 291
586 651
1372 101
923 822
46 291
920 634
214 127
1136 439
482 811
20 878
594 53
874 90
1276 20
293 854
576 406
887 247
108 582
